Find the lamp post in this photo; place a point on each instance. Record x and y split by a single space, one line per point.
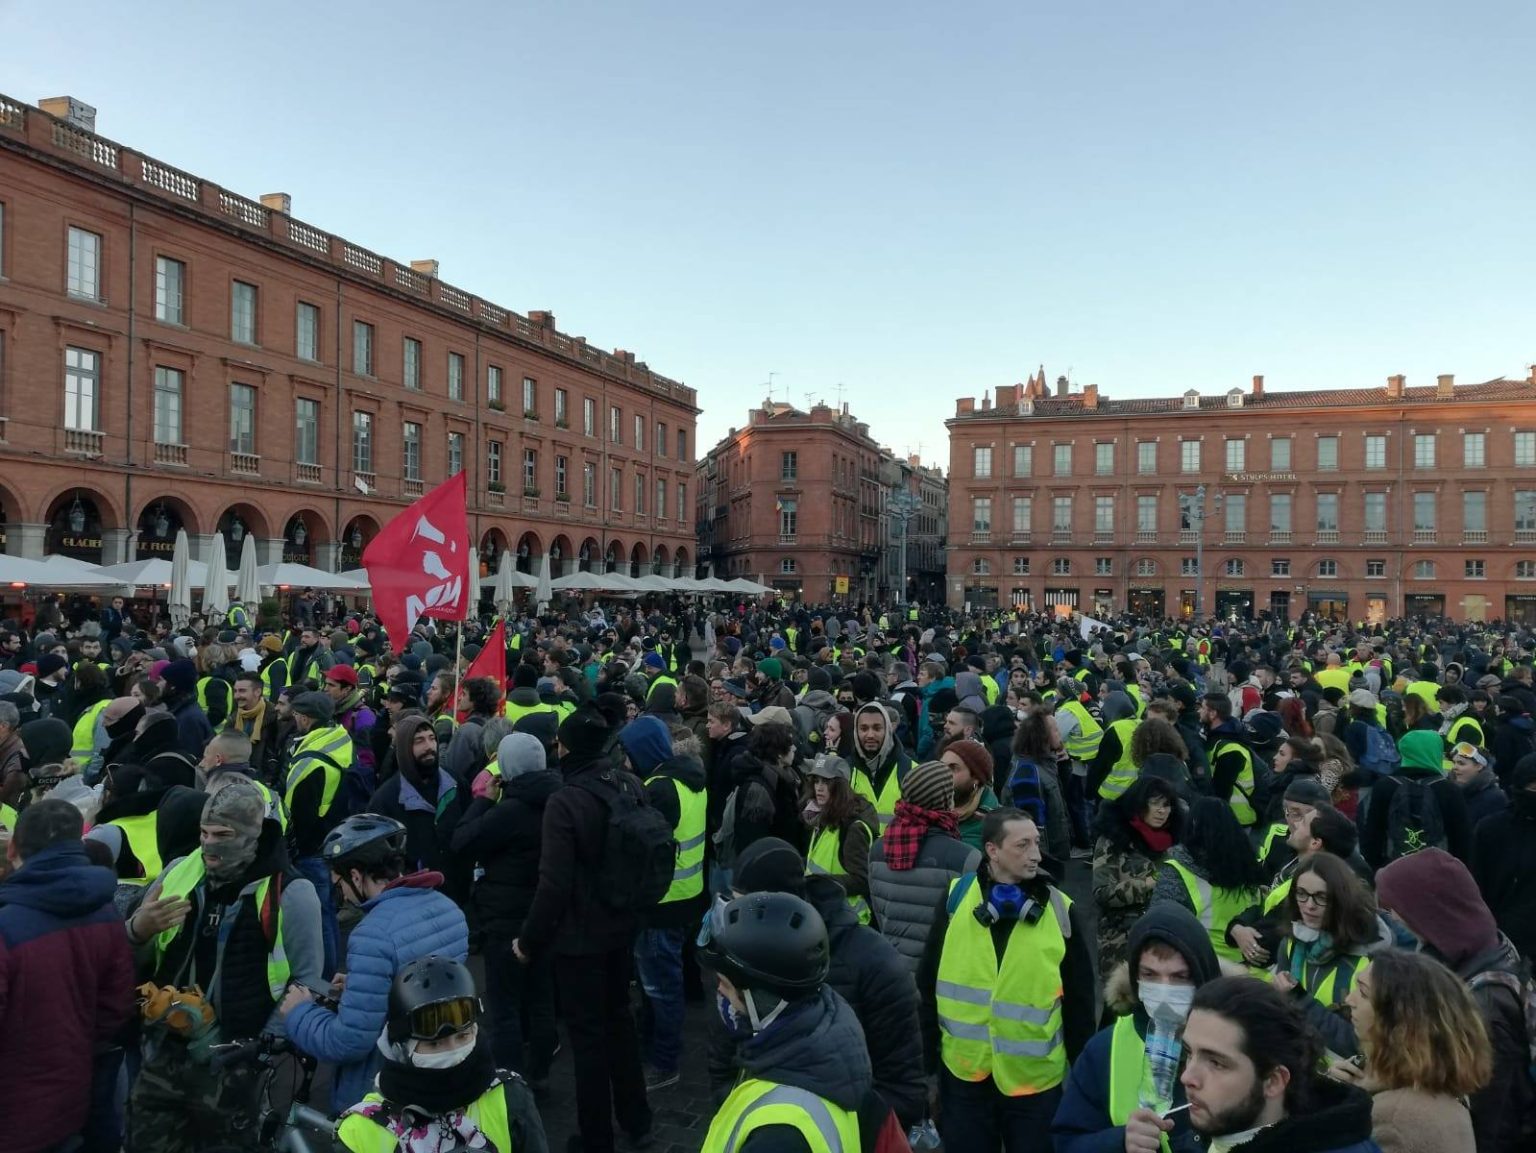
1193 507
902 506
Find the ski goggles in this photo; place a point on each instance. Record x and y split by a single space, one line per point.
440 1019
1469 752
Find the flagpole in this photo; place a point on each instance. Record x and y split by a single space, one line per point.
458 666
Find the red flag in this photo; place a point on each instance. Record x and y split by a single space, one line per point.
491 662
419 564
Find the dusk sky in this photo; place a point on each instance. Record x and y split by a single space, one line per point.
915 201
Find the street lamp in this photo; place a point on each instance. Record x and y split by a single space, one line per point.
236 530
1193 508
77 516
300 532
162 521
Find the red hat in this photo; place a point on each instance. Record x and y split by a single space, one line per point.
342 675
975 757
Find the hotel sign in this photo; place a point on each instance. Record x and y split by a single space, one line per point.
1261 477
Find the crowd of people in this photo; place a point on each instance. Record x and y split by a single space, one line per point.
844 837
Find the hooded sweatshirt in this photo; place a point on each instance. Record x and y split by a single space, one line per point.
1422 753
429 803
66 988
889 758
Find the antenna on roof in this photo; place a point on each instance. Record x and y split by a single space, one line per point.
810 398
839 394
769 386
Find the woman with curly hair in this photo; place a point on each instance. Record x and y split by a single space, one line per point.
1135 832
1425 1050
1212 873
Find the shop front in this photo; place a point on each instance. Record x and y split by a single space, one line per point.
1376 609
1424 605
1146 602
1474 608
1021 600
1280 604
1187 601
74 529
981 597
1330 604
1062 601
1520 609
1234 604
1103 602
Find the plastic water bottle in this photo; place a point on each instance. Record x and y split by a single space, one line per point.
923 1136
1163 1052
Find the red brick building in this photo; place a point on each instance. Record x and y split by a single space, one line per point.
793 500
1366 503
173 354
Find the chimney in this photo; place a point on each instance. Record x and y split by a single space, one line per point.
425 267
1532 377
624 354
1063 385
542 319
966 404
986 399
278 202
1090 396
1445 386
845 408
76 113
1007 395
1258 384
1395 386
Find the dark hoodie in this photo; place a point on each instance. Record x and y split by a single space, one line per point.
889 758
817 1046
1082 1122
66 989
1504 860
429 803
997 728
1432 894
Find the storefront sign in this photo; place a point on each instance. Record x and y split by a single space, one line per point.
1260 478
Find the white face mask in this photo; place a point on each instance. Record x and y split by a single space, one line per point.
447 1058
1160 999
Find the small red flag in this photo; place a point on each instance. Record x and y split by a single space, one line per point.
491 662
419 564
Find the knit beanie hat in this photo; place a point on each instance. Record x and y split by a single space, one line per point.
772 668
1306 790
180 675
930 785
818 679
585 732
769 865
48 664
525 676
238 806
976 758
647 742
1421 749
122 716
653 661
520 753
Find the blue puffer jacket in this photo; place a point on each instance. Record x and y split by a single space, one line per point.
408 920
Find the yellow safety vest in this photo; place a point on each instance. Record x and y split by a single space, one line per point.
1216 909
859 782
266 676
661 679
1281 830
1127 1071
1241 799
515 713
1457 733
824 859
989 690
1123 773
1134 692
1322 981
688 873
332 742
8 818
1082 745
1276 896
755 1104
184 877
143 836
1003 1022
885 802
1425 691
362 1134
83 744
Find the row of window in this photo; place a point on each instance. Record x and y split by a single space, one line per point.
1474 454
84 281
844 469
1234 512
1236 567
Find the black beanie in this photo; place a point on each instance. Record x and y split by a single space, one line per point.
525 677
585 733
818 679
770 865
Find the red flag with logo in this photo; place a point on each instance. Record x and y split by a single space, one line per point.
491 662
419 564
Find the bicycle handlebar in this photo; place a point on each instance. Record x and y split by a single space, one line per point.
253 1051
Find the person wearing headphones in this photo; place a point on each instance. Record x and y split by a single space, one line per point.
1007 991
439 1087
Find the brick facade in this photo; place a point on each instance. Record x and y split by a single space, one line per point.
125 470
1368 503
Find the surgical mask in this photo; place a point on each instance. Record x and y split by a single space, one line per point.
1160 999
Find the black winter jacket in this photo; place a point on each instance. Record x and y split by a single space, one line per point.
505 837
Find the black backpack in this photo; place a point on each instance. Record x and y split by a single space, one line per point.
639 849
1414 819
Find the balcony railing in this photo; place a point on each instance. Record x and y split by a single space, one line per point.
981 537
562 506
170 453
1279 536
1375 536
83 441
786 538
1424 535
1236 536
495 499
1522 535
530 503
245 463
1061 535
1102 536
1327 536
366 477
1187 536
307 473
1019 538
1146 536
411 487
1474 536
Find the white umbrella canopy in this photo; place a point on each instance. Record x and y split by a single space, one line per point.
543 592
179 601
743 585
520 580
216 596
503 594
248 582
157 573
302 576
591 582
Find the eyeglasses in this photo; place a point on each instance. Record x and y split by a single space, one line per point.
1316 900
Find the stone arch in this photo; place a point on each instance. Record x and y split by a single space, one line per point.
589 555
74 522
156 522
561 556
356 534
637 559
529 548
661 561
681 564
304 531
239 520
616 559
111 512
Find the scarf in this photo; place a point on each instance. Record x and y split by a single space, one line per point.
903 837
1304 953
250 723
1158 840
440 1094
1448 715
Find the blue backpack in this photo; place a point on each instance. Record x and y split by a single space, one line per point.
1381 758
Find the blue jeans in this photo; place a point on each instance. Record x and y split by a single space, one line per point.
320 875
659 961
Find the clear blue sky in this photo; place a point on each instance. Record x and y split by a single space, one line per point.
920 201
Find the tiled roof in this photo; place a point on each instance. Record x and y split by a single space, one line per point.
1492 390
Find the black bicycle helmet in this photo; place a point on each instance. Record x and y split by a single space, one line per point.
361 841
431 998
770 941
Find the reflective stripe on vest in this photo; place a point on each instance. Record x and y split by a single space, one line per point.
180 882
1279 830
1003 1022
515 713
754 1104
1127 1071
825 859
1216 909
1082 745
266 675
1276 896
688 873
1122 774
362 1134
143 836
1241 799
331 741
83 743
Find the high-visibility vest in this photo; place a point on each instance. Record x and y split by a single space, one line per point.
8 818
266 676
912 613
276 809
989 690
755 1104
1281 830
824 859
859 782
1003 1021
1127 1072
143 836
885 800
1082 745
83 743
1215 909
1327 984
327 750
661 679
362 1134
1276 896
202 691
1457 733
1425 691
688 873
1241 799
515 712
180 882
1122 774
1133 691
